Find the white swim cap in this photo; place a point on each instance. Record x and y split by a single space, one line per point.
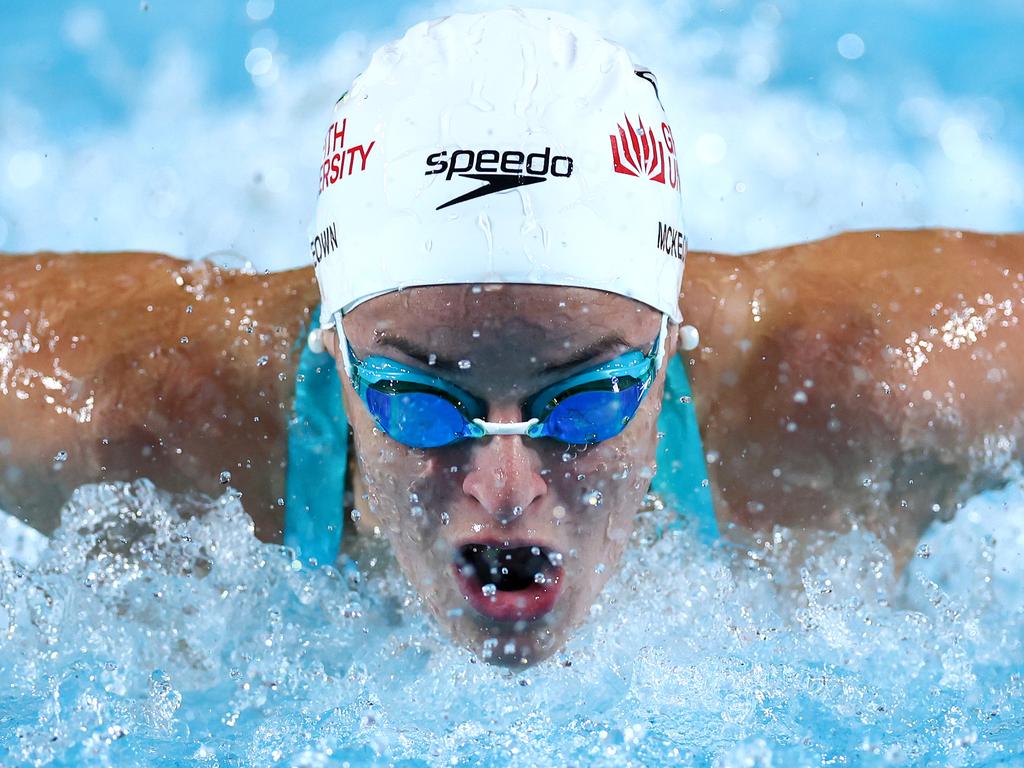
515 146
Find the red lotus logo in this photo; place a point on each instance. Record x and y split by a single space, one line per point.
637 152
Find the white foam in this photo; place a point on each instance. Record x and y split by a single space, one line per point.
156 627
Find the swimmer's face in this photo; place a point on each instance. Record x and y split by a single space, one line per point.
556 518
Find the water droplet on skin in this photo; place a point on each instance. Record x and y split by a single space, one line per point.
416 511
445 518
355 514
599 568
489 590
262 360
476 334
183 339
432 359
555 558
225 477
924 552
593 498
465 365
800 397
539 578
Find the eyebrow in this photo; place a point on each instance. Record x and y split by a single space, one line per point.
419 353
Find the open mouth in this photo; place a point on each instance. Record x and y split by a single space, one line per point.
518 583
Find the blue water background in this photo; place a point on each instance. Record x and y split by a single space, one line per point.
964 50
785 133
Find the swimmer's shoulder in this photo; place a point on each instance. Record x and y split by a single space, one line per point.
164 368
127 292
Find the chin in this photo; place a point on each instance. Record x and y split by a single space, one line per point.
514 647
515 644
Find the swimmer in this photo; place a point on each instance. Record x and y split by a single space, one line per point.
496 314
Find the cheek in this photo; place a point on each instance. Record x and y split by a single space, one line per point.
408 490
618 469
602 486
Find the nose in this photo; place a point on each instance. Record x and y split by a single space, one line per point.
505 472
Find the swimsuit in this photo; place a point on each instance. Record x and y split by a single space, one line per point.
318 459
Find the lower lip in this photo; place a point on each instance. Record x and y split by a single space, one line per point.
522 605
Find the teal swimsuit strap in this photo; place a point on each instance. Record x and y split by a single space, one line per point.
318 459
682 477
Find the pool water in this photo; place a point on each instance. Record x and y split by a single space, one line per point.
155 629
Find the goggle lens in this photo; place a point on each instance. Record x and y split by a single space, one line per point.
417 419
594 415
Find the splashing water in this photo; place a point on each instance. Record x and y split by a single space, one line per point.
157 628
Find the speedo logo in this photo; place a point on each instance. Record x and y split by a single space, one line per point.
500 171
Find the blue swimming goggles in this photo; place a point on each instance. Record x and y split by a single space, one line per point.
421 410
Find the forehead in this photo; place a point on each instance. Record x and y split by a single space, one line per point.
509 314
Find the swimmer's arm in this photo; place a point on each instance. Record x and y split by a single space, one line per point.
117 366
830 389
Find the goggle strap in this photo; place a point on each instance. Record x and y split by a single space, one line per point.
346 360
660 354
